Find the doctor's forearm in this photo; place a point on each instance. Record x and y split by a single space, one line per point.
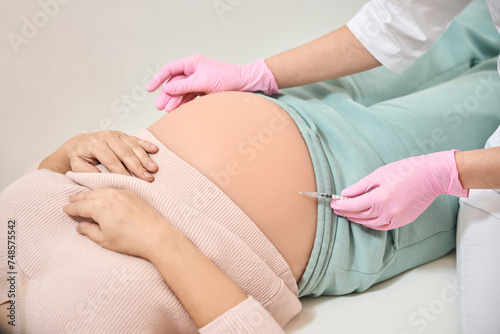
479 169
336 54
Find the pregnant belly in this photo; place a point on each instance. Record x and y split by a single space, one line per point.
251 149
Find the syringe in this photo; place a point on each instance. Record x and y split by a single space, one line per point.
322 195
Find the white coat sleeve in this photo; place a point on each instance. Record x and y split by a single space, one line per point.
396 32
247 317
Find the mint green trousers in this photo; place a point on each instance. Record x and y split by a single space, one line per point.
448 99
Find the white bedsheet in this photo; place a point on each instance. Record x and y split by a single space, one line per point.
422 300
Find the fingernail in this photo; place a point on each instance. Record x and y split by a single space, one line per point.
152 146
147 175
151 164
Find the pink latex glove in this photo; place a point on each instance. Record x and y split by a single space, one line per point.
402 190
201 75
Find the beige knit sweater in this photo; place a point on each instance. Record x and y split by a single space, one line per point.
65 283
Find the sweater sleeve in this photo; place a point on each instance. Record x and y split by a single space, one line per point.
247 317
396 32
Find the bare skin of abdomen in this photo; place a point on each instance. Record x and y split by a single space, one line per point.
252 150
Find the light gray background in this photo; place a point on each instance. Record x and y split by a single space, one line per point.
83 69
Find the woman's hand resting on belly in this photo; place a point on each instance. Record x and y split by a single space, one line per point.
115 150
126 223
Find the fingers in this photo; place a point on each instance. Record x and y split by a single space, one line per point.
355 204
174 101
181 85
369 213
109 159
370 217
161 101
360 187
189 97
367 209
93 203
83 166
362 209
168 101
133 155
147 146
170 69
118 152
83 204
164 98
91 230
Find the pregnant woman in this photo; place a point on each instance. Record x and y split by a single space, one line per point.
219 240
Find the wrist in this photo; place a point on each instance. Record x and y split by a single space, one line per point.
271 78
259 77
57 162
447 174
456 188
165 242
